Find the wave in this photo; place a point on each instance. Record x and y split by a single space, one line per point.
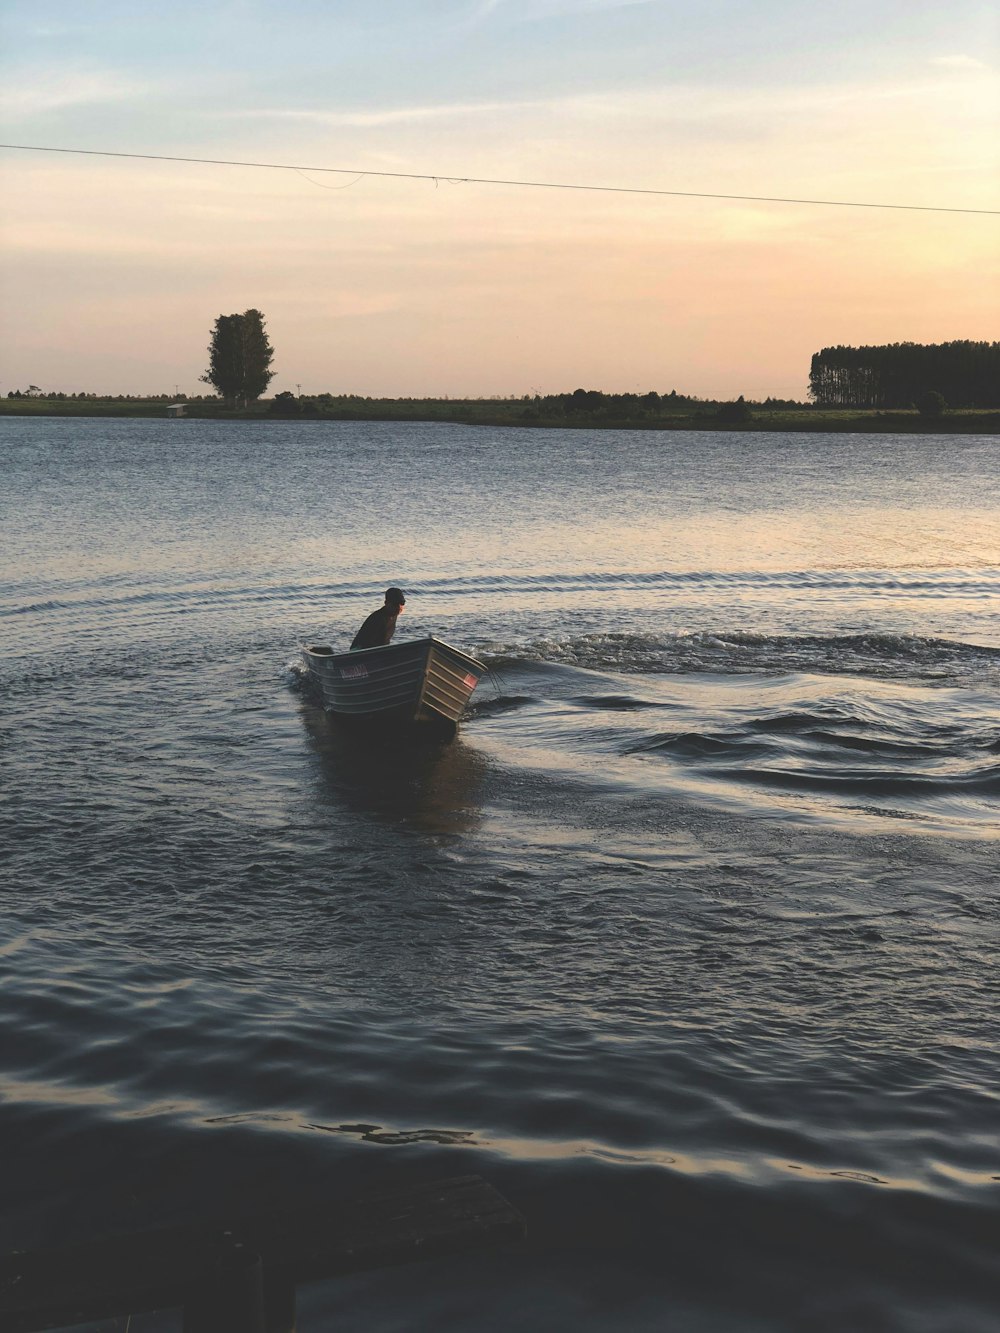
927 750
119 588
871 580
792 752
694 745
977 782
736 651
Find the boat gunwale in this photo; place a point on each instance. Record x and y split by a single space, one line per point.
431 641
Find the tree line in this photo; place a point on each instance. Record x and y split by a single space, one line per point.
896 376
899 375
582 406
59 396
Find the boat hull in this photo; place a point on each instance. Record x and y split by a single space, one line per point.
421 683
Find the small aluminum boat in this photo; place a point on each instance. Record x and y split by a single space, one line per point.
425 682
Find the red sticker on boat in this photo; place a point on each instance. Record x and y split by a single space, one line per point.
471 681
353 672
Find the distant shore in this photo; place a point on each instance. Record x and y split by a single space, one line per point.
544 413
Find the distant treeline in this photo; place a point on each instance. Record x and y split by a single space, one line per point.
966 374
583 409
590 406
33 392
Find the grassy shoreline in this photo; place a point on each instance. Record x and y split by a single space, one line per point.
541 414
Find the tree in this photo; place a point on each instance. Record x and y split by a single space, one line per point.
285 404
735 412
239 356
931 404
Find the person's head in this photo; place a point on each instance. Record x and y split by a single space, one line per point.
395 600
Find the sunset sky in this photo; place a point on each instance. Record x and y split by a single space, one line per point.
114 269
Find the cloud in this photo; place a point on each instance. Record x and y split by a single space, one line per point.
50 31
377 117
960 62
542 9
36 92
929 140
676 101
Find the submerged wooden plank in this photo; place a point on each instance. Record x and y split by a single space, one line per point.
155 1269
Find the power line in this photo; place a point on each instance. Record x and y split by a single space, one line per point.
487 180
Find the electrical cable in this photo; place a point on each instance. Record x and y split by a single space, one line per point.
487 180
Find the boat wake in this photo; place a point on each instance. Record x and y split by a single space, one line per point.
807 742
877 655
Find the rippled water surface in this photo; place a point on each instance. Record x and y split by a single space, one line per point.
689 943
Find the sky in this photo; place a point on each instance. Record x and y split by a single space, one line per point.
114 270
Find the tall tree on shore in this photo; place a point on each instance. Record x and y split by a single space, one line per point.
239 357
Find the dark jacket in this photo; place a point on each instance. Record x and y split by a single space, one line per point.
377 630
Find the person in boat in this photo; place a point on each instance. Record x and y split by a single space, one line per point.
380 626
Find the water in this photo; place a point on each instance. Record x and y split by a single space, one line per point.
689 943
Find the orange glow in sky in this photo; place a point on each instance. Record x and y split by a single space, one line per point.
114 270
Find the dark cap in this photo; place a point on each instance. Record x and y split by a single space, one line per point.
395 596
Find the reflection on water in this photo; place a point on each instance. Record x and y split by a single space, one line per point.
432 785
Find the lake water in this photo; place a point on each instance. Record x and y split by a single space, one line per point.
690 942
